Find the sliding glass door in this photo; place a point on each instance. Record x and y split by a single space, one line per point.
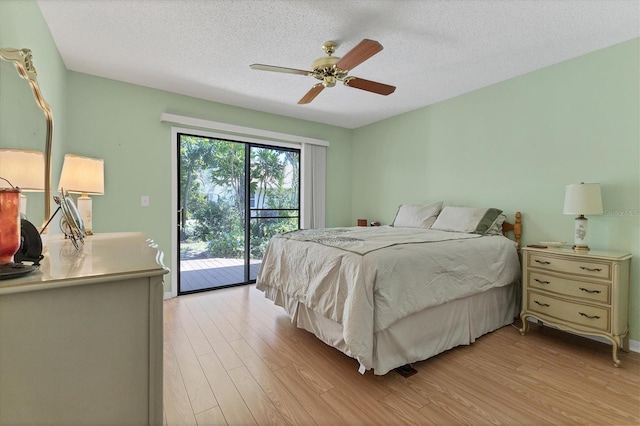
274 198
233 197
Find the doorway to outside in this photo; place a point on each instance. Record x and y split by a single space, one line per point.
232 198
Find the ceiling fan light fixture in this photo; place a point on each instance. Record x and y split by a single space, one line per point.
329 81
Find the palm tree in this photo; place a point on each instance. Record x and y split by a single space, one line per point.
268 170
195 153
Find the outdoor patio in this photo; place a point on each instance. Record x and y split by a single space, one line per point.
198 274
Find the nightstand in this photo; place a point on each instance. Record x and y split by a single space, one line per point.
585 293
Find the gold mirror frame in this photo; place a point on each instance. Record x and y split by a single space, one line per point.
22 60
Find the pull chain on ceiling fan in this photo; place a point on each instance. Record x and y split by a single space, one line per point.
331 69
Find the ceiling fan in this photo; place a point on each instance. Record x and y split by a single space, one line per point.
331 69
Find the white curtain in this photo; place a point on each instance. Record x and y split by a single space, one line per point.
314 163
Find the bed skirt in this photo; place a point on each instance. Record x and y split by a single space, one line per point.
420 335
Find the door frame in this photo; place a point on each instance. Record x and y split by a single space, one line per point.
175 157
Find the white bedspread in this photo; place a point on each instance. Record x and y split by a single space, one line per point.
367 286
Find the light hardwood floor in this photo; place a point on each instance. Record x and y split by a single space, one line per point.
232 357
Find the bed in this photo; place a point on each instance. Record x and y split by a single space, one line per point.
389 296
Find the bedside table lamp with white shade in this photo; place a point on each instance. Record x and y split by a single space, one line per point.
83 175
582 199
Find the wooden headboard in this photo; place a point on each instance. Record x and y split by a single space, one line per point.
515 227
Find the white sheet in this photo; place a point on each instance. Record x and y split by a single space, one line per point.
367 293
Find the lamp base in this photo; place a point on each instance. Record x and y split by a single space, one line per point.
85 210
580 234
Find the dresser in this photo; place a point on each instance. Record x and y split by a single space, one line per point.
582 292
81 338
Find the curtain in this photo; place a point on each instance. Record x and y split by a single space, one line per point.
314 163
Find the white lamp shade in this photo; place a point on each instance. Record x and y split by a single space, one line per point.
23 168
82 175
583 198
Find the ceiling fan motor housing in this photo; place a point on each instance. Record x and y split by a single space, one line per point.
325 69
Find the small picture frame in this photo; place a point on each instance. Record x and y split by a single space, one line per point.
71 222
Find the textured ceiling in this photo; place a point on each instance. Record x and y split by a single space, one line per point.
433 50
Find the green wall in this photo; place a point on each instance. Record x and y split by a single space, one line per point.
22 125
515 145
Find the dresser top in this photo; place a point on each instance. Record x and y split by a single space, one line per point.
600 254
103 257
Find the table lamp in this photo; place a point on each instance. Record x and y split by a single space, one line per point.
24 168
84 176
581 199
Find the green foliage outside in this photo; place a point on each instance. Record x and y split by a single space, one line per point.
212 188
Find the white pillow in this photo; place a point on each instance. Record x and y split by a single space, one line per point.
417 215
466 219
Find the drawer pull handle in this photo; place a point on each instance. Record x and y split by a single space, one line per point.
590 291
545 305
591 269
542 262
589 316
541 282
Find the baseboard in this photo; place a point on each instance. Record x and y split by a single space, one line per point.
167 295
634 345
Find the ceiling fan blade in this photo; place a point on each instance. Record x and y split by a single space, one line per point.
369 86
311 94
363 51
263 67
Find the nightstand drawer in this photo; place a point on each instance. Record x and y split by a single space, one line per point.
596 292
593 317
571 266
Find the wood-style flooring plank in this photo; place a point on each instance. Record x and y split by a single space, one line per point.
274 358
350 413
403 388
193 377
177 407
170 317
307 397
199 342
211 417
215 310
218 343
254 397
233 407
403 411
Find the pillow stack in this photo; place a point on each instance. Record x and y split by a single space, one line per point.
484 221
470 220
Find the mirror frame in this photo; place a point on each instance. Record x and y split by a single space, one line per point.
22 60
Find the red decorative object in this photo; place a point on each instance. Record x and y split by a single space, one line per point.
9 224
